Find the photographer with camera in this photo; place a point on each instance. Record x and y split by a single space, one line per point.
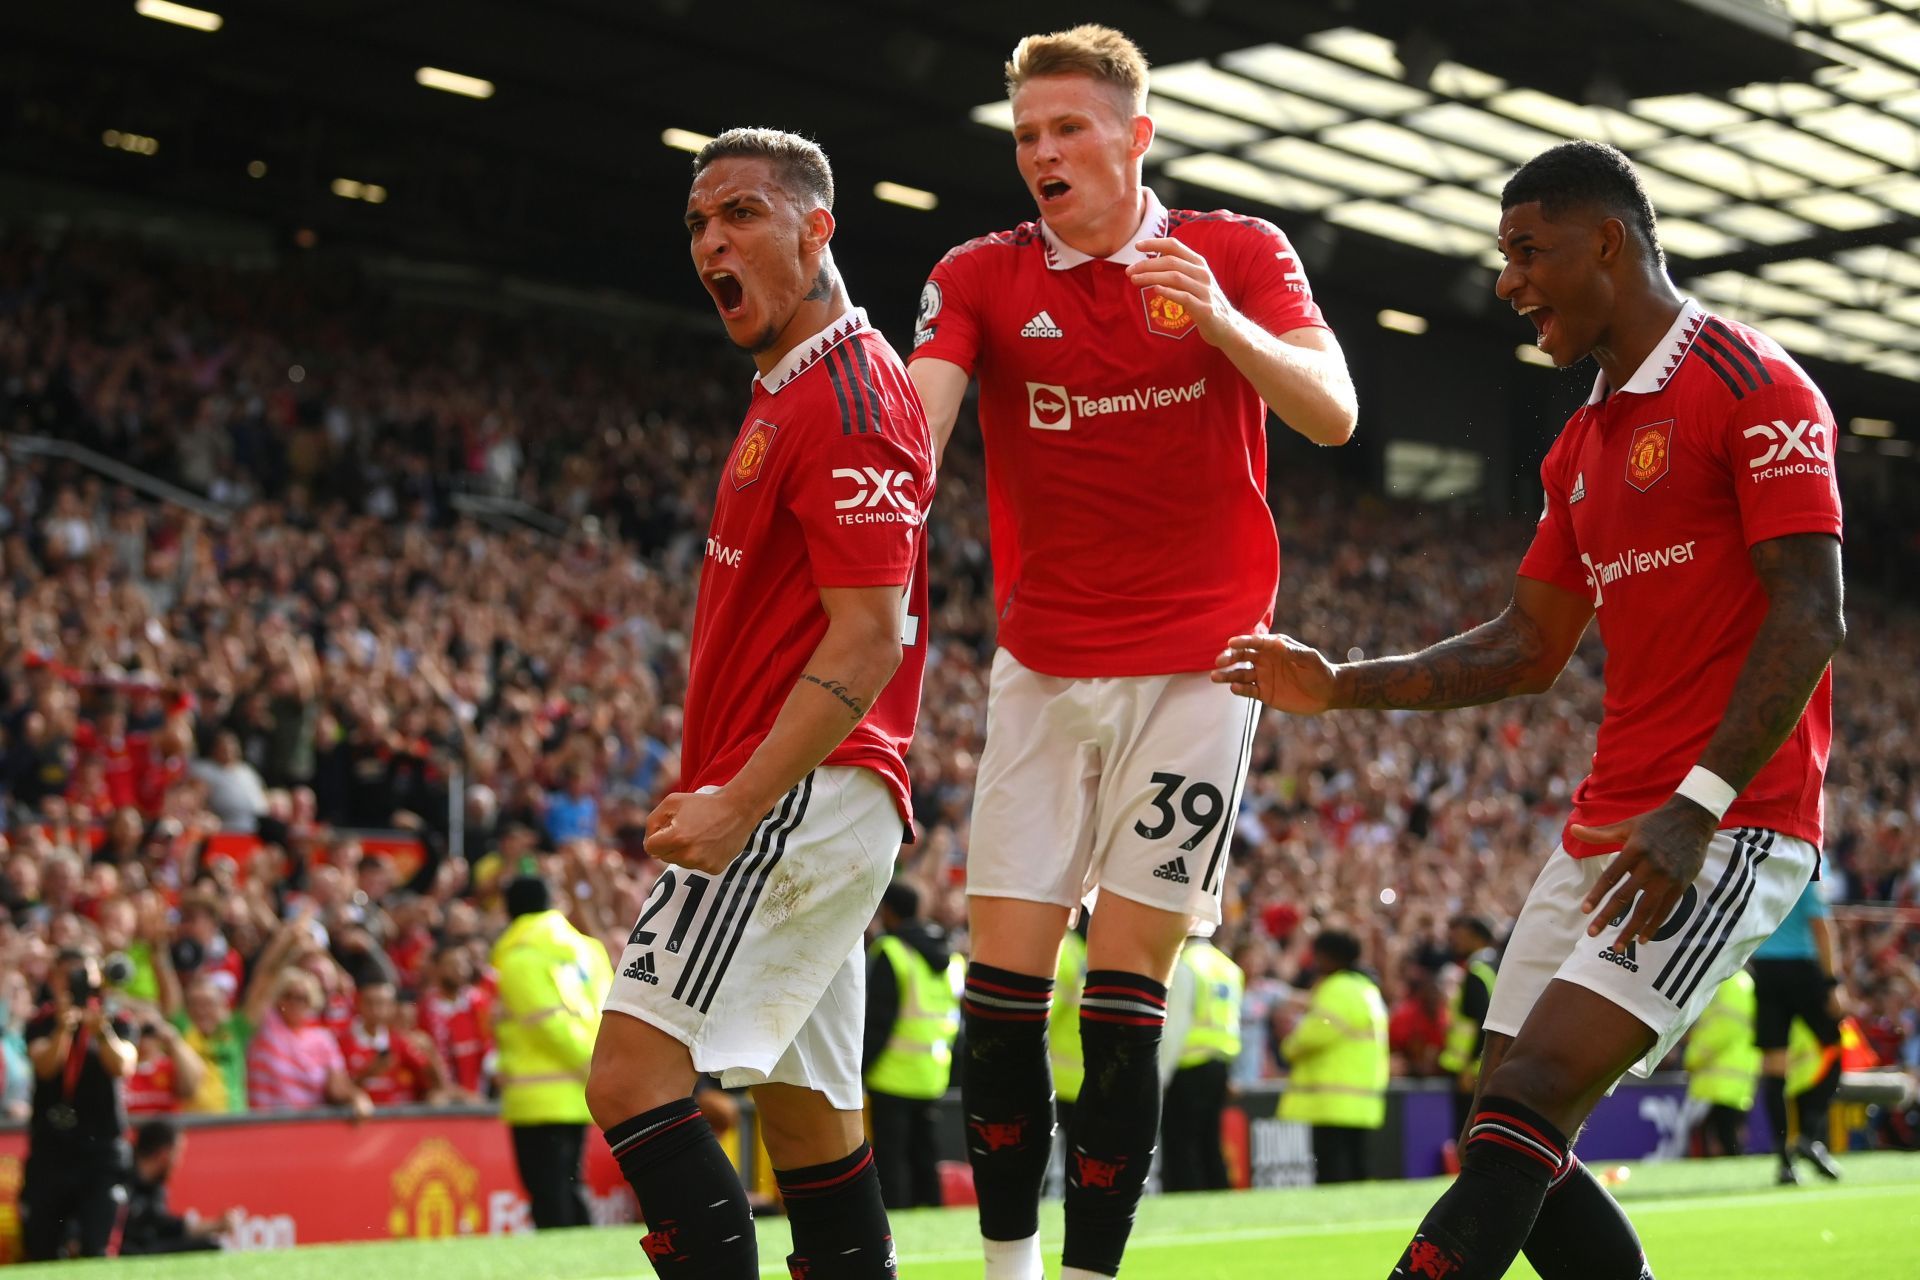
77 1157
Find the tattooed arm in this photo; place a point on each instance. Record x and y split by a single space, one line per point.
1803 627
850 666
1662 850
1521 651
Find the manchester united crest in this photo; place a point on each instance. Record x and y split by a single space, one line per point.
752 453
1165 316
1647 454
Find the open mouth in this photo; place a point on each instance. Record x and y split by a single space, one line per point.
1052 189
727 292
1543 323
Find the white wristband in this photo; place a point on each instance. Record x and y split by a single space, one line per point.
1708 790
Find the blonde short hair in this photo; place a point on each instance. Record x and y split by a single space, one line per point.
298 982
1099 53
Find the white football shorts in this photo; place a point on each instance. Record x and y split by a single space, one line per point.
1127 784
1745 888
761 970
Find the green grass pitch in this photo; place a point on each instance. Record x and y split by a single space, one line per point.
1718 1220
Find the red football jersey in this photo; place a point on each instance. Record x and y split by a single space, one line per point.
149 1088
403 1077
1654 495
121 757
1126 456
461 1028
827 485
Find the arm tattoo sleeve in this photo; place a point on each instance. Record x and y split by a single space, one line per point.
1790 652
1486 664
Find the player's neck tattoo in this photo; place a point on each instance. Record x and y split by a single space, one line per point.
822 285
853 704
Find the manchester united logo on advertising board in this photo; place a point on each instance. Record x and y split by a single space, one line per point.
435 1193
1165 316
1647 454
753 452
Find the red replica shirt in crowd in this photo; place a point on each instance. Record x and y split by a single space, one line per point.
827 486
1126 456
402 1078
1655 492
150 1086
460 1029
1417 1032
121 759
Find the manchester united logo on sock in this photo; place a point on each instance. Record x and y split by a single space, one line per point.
1425 1258
1095 1173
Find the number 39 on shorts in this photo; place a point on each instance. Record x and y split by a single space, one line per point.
1182 807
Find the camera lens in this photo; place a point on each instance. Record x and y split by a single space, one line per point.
117 970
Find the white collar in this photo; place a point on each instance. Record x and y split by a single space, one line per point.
1064 257
1663 359
811 349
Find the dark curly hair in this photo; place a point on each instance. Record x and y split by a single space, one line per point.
1589 175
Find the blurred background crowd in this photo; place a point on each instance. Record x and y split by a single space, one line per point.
275 756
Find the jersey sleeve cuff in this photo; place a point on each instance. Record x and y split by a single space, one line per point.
1815 522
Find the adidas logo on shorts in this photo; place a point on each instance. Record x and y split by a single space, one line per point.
1175 871
1042 326
642 970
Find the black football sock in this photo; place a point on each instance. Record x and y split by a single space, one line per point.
690 1197
1581 1232
1006 1090
1475 1230
1773 1090
1117 1117
1812 1104
840 1229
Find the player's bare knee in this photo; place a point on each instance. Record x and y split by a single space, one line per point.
1543 1078
1135 938
1017 935
635 1067
802 1127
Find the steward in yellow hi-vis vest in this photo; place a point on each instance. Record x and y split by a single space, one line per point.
1723 1067
1063 1021
1471 940
1203 1037
917 1061
552 982
1337 1061
913 1015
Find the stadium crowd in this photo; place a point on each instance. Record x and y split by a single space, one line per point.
234 743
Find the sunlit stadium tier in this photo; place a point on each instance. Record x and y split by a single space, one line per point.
1793 205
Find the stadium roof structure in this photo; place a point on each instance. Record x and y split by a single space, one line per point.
1780 138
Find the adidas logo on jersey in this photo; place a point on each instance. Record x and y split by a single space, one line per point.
641 970
1579 488
1175 871
1042 326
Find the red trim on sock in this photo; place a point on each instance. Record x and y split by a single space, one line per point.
1523 1127
825 1184
1003 1015
1552 1166
1134 993
1125 1020
634 1143
1017 993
